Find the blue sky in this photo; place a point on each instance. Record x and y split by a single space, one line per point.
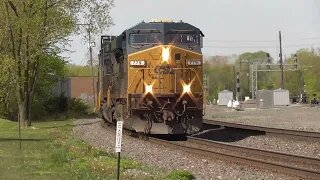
230 26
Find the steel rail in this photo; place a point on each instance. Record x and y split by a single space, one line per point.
315 162
262 163
296 171
304 135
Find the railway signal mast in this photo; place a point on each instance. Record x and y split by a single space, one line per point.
238 86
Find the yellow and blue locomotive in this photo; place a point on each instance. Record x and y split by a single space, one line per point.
151 77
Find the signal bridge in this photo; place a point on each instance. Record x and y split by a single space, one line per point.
257 67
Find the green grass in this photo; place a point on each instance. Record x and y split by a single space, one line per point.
179 174
33 160
51 152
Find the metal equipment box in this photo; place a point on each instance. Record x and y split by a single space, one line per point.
224 97
265 99
272 98
281 97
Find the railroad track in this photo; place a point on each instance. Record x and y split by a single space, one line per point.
300 166
302 135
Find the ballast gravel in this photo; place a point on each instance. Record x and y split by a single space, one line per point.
92 132
264 142
294 117
302 148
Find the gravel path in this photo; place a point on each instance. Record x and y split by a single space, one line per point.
296 117
167 158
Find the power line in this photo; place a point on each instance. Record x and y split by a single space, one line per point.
254 47
249 41
310 38
299 45
254 41
235 47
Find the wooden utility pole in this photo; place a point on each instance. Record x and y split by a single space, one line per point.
281 61
89 29
92 69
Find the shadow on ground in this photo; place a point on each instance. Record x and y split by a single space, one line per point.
215 133
22 139
222 134
170 137
88 122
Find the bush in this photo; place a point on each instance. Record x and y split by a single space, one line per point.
56 104
76 108
59 107
77 105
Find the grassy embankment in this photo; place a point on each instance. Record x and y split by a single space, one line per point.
50 151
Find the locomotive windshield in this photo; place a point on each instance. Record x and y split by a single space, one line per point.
145 38
191 39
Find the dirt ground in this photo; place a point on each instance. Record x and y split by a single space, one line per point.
296 117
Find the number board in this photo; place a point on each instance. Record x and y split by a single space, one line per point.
194 62
138 63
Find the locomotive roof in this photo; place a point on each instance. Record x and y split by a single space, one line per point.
164 27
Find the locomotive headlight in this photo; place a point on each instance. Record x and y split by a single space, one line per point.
149 89
187 88
165 54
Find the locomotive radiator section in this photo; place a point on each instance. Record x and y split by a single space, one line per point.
165 90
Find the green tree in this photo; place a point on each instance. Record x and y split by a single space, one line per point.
220 77
242 65
7 103
307 74
77 70
50 72
33 30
